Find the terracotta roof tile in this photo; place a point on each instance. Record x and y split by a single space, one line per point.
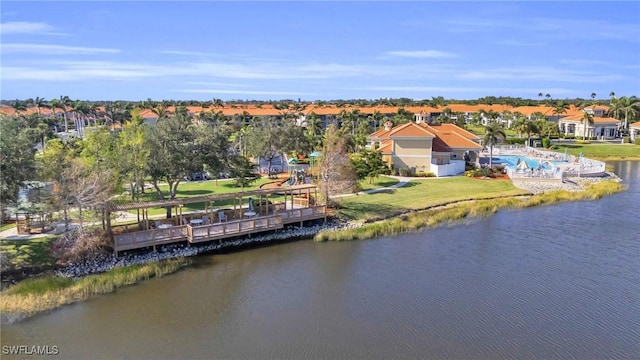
410 129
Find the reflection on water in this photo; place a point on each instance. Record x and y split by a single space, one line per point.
559 281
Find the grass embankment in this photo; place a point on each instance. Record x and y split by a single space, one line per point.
423 193
602 151
34 296
27 253
434 217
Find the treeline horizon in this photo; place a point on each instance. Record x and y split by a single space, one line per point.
401 101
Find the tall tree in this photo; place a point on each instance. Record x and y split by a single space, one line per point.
493 132
587 121
172 141
17 162
337 172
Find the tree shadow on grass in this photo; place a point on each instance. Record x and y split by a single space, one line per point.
192 193
370 211
33 252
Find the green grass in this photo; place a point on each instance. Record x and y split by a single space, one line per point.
602 151
7 226
25 253
450 214
420 194
33 296
479 130
197 188
379 182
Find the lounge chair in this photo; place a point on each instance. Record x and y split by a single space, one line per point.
222 216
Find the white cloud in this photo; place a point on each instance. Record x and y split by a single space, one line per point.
520 43
25 27
421 54
538 73
46 49
188 53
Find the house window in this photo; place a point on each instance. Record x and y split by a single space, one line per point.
454 156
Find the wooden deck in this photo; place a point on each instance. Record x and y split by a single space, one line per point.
216 231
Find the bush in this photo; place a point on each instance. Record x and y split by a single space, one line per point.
76 246
407 171
626 140
515 141
568 137
637 142
425 174
546 142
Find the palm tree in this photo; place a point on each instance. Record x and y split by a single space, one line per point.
63 103
631 106
493 132
19 105
376 118
39 103
587 120
560 108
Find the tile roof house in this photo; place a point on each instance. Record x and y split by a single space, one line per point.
602 127
440 149
634 131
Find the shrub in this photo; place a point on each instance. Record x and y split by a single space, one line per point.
407 171
637 142
515 141
425 174
626 140
546 142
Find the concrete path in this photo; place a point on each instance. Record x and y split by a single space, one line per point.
402 181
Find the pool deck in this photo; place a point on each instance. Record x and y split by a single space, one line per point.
563 165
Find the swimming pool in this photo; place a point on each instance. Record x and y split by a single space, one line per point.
512 161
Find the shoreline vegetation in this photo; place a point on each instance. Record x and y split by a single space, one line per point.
455 211
38 295
34 296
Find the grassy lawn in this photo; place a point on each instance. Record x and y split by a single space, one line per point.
7 226
202 188
197 188
479 131
602 151
379 182
419 194
25 253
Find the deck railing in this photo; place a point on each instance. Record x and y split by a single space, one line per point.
216 231
302 214
233 228
144 238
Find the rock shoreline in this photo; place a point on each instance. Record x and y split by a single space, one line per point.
573 184
107 262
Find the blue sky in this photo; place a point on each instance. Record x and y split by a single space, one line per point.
112 50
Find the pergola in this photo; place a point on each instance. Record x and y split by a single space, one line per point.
262 196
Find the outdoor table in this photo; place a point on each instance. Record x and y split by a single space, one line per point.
196 222
250 214
165 226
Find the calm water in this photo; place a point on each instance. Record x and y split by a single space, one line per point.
555 282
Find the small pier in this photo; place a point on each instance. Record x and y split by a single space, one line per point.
216 224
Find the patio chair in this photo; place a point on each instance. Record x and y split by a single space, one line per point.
206 220
222 216
158 223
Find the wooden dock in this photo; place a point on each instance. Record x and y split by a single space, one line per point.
297 209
